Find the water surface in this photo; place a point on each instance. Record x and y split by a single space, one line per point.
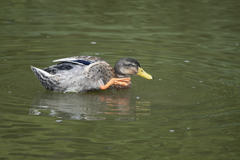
189 111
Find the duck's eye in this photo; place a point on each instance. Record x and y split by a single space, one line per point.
130 65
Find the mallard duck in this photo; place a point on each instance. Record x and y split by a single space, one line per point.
85 73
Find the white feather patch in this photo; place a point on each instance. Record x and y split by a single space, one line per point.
65 60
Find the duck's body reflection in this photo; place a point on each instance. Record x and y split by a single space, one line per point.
89 106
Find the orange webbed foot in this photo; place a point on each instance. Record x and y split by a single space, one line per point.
117 81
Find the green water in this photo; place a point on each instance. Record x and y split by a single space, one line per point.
189 111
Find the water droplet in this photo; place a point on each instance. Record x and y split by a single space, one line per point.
34 112
193 87
200 81
186 61
171 130
96 53
159 79
138 97
188 127
93 42
58 120
236 44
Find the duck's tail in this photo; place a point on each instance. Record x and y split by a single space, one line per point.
40 73
47 80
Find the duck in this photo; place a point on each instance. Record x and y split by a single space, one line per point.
87 73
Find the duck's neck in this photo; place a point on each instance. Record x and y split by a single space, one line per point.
119 75
120 86
122 75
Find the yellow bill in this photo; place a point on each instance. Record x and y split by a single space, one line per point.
143 74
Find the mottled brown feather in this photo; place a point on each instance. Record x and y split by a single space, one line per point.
102 70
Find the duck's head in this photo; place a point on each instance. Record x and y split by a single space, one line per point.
129 66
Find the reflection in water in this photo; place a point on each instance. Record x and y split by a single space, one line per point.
143 107
86 106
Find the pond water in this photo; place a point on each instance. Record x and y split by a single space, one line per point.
189 111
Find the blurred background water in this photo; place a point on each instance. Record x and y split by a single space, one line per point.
189 111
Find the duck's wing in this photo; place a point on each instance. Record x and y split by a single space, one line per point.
86 60
95 68
99 71
67 64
